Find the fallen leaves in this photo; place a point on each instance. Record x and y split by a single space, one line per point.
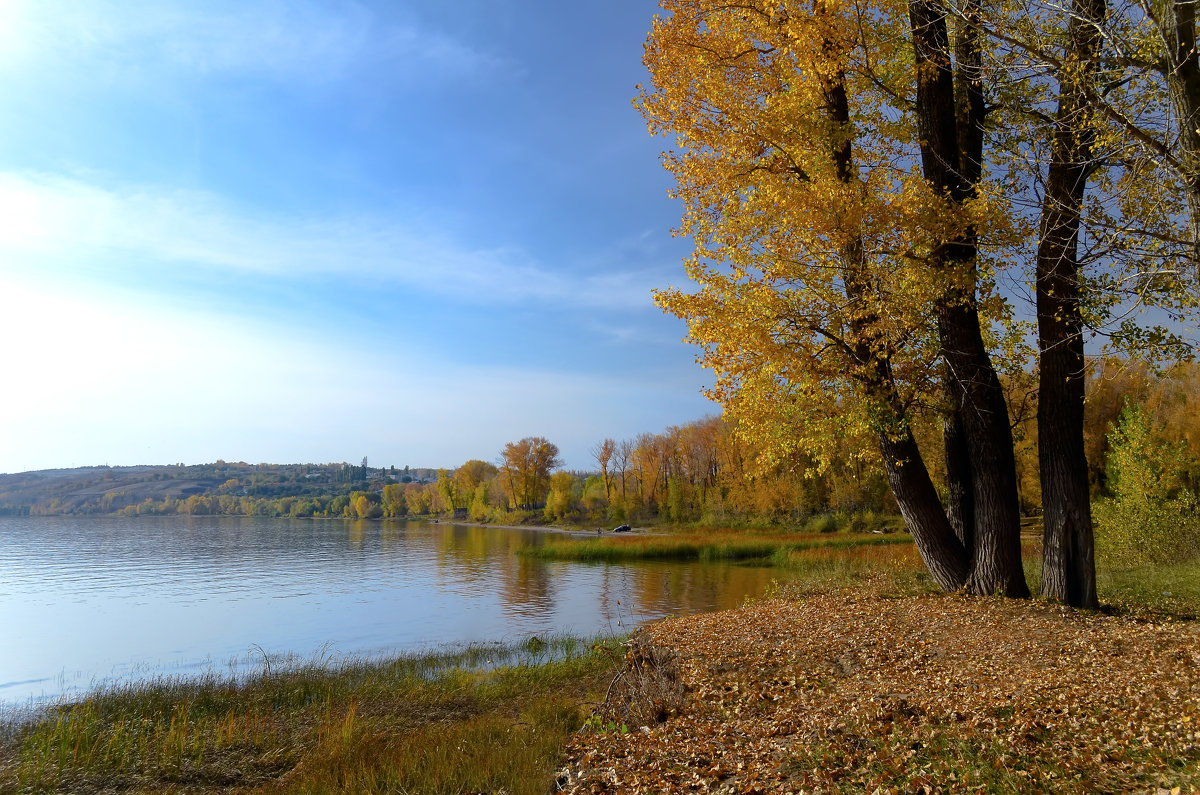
846 692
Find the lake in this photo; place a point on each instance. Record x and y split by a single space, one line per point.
85 600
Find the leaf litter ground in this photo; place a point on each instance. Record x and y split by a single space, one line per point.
853 692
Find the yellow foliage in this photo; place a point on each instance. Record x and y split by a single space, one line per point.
809 282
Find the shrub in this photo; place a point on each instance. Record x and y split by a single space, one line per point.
821 523
1150 517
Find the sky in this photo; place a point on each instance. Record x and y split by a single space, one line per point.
289 231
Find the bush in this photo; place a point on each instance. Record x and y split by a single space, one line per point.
1150 517
821 523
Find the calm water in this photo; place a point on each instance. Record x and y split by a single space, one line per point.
83 600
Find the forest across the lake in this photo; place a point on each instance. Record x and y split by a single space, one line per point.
703 473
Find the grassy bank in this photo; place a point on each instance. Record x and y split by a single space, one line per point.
777 548
485 719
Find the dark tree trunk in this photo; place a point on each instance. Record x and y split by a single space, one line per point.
1068 561
939 546
971 109
970 103
996 559
1176 20
960 494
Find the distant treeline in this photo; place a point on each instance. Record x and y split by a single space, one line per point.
701 471
705 472
236 487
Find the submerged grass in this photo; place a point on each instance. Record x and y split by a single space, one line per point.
706 545
484 719
886 569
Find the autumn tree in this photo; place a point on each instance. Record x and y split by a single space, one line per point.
470 475
525 468
699 444
470 487
364 505
1115 183
622 455
393 500
481 502
649 460
563 498
416 499
452 495
857 177
603 453
1152 516
837 247
1171 400
437 502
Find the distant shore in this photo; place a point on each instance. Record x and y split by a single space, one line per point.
544 528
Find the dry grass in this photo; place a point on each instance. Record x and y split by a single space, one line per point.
435 723
823 569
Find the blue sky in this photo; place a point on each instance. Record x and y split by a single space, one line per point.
277 230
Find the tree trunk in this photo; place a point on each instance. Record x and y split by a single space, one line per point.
970 103
939 546
996 559
1176 21
960 495
1068 559
971 109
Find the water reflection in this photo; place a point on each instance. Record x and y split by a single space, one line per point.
83 599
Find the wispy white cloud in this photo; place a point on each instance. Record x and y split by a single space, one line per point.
288 41
51 221
419 48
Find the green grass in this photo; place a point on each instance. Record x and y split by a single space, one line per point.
1163 590
1166 589
423 723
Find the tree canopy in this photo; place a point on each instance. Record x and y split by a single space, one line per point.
525 470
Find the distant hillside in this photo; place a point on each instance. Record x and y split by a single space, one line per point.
110 489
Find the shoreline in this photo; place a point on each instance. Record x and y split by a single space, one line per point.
641 531
542 528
